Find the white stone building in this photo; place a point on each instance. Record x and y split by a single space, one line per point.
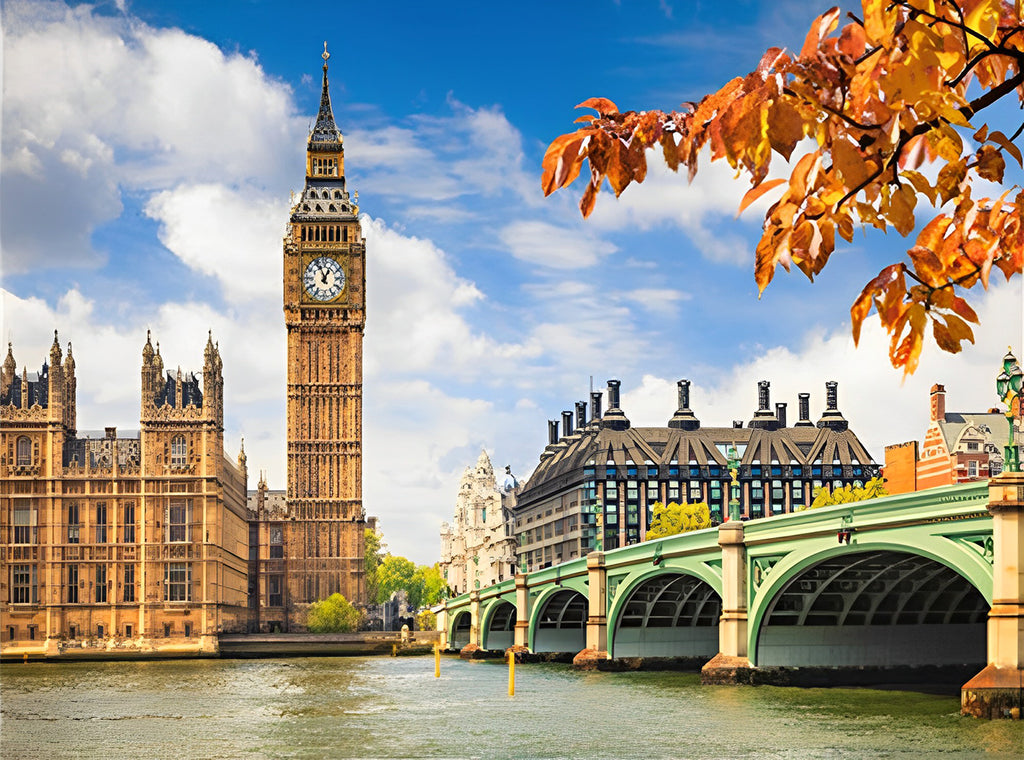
479 550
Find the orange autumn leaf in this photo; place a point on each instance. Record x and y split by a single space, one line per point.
893 97
757 191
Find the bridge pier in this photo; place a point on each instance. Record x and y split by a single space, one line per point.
597 614
998 690
731 664
521 635
468 651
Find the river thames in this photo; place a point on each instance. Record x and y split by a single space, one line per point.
394 707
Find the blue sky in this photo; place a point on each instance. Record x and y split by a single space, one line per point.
149 151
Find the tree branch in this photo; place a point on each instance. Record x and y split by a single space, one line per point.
978 59
990 97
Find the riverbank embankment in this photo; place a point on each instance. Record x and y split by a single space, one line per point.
253 645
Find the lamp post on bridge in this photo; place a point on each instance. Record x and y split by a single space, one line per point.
734 488
1008 386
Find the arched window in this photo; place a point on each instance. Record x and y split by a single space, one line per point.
24 455
179 451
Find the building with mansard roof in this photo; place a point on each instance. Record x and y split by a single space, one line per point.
478 548
134 540
596 484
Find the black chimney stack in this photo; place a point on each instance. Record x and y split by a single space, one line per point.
552 432
780 414
613 394
614 418
762 395
763 417
566 423
805 411
581 415
684 418
832 417
595 406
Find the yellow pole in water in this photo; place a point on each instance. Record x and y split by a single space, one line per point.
437 659
511 673
394 650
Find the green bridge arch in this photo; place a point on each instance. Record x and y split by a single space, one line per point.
965 562
688 566
949 526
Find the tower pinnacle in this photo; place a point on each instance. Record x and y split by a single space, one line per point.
325 134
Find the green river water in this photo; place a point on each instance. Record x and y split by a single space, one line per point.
395 708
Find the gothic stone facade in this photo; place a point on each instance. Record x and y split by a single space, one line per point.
478 550
596 485
268 513
324 299
135 541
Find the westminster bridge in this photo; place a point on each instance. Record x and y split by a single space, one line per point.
921 580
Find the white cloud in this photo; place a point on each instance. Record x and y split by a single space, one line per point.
556 247
416 303
232 234
663 302
121 105
666 199
471 152
882 408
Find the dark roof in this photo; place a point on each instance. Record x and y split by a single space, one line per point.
191 395
325 134
562 463
324 198
38 389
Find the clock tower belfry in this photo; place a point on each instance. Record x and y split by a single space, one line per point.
324 310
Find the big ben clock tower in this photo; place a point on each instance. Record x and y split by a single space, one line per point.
324 310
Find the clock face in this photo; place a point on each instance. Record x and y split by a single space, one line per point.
324 279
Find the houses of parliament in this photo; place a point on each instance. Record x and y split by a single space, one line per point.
142 539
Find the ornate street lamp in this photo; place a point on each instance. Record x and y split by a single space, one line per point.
734 466
1008 386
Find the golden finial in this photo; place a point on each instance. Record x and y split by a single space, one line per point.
325 55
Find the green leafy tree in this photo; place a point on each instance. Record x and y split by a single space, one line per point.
826 497
428 577
333 615
426 621
372 555
394 574
670 519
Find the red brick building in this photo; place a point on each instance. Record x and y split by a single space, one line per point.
958 447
